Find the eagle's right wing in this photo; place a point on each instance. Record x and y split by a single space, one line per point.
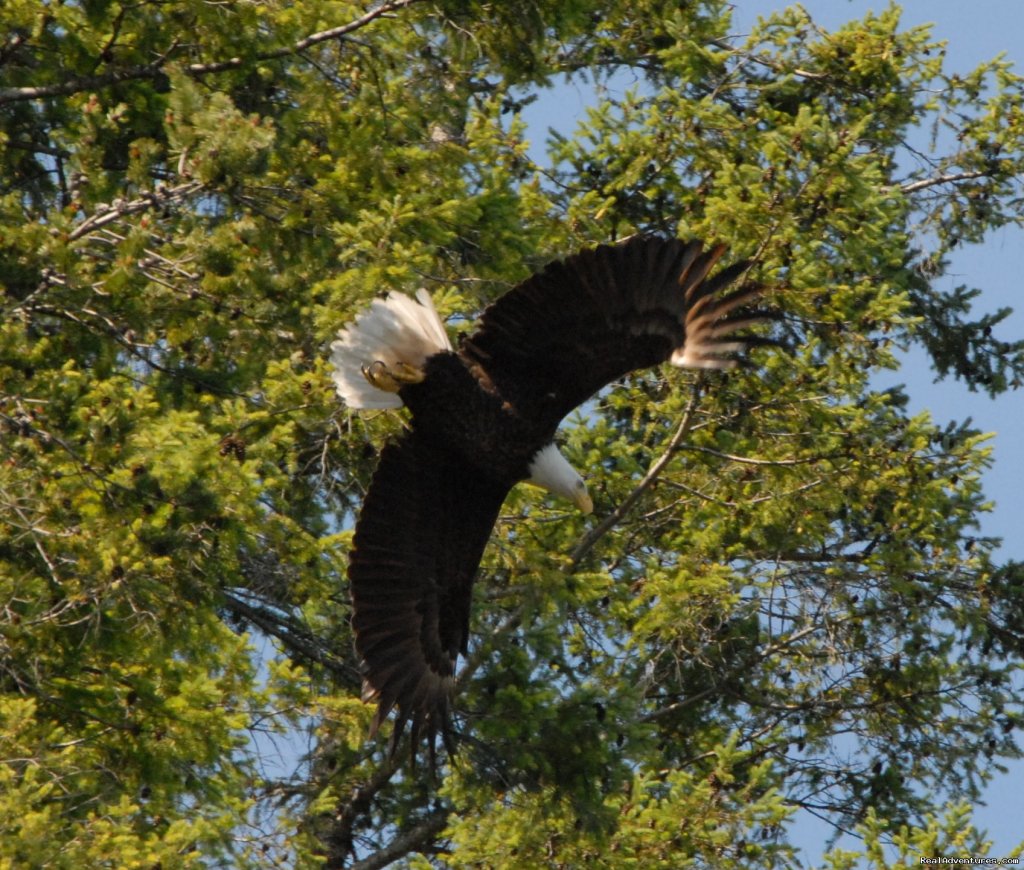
418 543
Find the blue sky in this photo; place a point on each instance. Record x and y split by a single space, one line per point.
974 32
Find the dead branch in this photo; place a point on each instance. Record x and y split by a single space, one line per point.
952 178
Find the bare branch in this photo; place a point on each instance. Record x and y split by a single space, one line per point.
339 836
295 639
751 460
762 655
73 86
119 208
766 61
403 844
335 32
924 183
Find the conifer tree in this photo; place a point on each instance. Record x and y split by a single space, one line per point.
783 601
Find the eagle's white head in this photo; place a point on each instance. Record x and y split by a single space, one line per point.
552 471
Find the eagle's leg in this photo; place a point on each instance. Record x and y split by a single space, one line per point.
391 379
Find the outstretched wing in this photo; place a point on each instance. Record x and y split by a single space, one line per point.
551 342
418 543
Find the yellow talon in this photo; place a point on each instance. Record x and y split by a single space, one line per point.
391 379
407 374
378 376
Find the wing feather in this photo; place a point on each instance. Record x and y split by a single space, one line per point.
551 342
418 543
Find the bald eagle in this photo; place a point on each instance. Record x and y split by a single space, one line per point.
483 418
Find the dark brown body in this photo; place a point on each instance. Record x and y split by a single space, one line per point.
455 412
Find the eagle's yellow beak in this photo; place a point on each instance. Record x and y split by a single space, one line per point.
582 500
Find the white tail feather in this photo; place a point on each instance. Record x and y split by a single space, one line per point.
392 330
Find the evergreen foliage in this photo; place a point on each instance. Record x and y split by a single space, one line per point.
783 600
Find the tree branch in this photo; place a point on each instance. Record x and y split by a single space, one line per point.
751 460
405 843
152 71
119 208
73 86
483 651
610 521
297 641
335 32
339 836
924 183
